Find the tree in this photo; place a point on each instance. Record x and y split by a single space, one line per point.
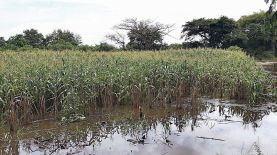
258 31
17 41
209 32
144 34
236 38
272 24
272 27
118 38
197 29
2 42
62 37
272 5
220 31
33 38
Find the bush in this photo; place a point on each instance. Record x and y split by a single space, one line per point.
175 46
26 48
86 48
234 48
105 47
193 44
10 47
265 55
61 46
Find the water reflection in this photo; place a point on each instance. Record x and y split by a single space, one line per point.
212 127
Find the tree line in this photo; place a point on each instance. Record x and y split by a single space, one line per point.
255 34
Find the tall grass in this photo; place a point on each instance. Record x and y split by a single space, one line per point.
37 84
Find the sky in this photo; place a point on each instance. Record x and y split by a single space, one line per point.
93 19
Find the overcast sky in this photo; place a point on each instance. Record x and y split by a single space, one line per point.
93 19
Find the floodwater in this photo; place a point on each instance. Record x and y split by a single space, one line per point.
210 127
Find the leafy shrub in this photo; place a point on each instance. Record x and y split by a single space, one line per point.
105 47
61 46
25 48
234 48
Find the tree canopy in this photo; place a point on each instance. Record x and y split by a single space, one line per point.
2 42
117 38
258 35
144 34
210 32
62 37
34 38
17 41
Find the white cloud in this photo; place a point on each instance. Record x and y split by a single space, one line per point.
93 19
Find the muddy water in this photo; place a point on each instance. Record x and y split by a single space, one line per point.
210 127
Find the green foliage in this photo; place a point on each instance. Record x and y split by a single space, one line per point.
105 47
212 32
2 42
266 55
35 39
26 48
175 46
236 38
193 44
234 48
197 28
86 48
10 47
61 46
59 36
17 41
255 33
219 31
258 34
73 82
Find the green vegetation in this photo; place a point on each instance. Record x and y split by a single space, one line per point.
40 83
216 33
256 34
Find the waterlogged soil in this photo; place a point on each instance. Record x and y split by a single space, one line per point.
208 127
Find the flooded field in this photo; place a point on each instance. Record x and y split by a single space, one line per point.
211 127
208 127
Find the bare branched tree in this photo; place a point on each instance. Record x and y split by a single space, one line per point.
133 23
117 38
144 34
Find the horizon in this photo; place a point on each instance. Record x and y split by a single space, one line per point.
92 20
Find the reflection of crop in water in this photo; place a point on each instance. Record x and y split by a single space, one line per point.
12 145
249 115
131 125
254 149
